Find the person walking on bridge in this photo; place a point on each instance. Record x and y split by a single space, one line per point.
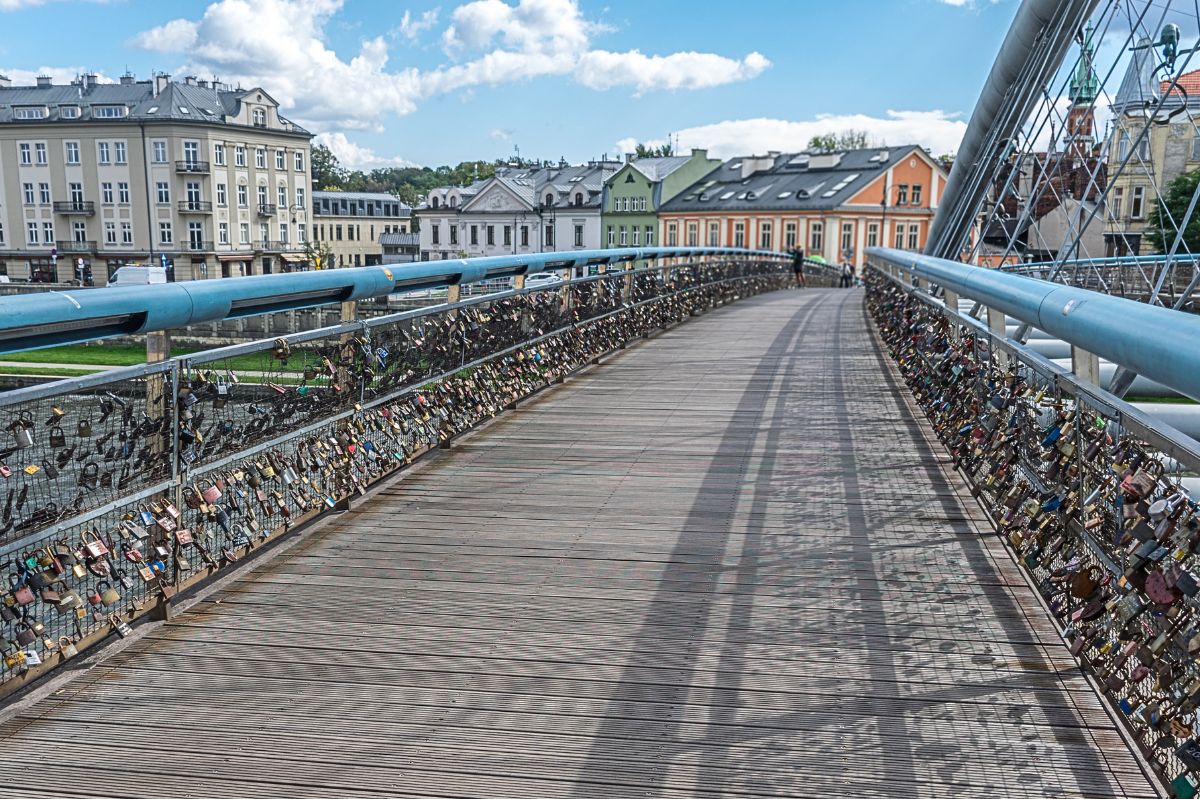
847 280
798 267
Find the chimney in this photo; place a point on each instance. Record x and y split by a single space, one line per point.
190 80
628 158
43 81
161 80
5 82
203 84
90 80
127 79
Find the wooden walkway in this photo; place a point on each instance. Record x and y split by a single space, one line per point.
724 564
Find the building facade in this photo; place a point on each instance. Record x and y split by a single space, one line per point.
348 226
833 204
517 210
210 180
634 195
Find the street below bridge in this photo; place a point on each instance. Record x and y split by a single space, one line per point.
728 561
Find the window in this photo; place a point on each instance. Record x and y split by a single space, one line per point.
914 233
243 195
637 236
219 154
739 234
453 233
902 194
649 235
48 232
264 232
262 195
160 152
39 150
847 238
28 192
764 235
103 152
44 193
195 236
549 200
549 235
508 235
164 233
299 159
714 233
351 232
873 234
672 235
123 193
75 191
30 112
578 198
491 235
474 235
260 158
281 193
435 233
1118 197
693 234
816 236
79 232
612 236
108 111
2 235
106 193
163 191
1136 202
222 198
300 199
284 233
259 117
280 160
31 232
1196 148
193 194
223 232
72 150
578 235
122 156
127 233
899 236
301 232
789 236
68 111
434 202
524 235
624 236
26 154
243 233
239 155
916 194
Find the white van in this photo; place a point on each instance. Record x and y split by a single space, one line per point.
138 276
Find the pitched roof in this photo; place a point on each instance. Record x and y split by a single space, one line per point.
788 181
1138 86
1189 83
655 169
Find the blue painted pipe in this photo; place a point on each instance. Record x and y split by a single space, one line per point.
1159 343
32 321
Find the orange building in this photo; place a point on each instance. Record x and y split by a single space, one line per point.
830 204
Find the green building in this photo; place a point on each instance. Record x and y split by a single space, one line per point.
632 196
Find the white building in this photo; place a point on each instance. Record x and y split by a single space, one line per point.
516 211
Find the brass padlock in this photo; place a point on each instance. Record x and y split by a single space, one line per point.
66 647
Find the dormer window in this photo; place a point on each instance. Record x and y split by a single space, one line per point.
434 202
549 199
68 112
109 111
578 198
29 112
259 116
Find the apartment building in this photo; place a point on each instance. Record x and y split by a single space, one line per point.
350 226
207 179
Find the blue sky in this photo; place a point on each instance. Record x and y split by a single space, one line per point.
431 82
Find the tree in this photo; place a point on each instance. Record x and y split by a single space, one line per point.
318 255
645 151
1168 212
846 140
327 172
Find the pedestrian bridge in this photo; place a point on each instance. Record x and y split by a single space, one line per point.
730 560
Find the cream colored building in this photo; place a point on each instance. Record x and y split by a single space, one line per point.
350 225
208 178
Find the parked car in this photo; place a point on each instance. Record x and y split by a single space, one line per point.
138 276
543 280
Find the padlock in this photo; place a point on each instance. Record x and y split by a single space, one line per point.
89 475
120 626
58 438
66 647
25 635
93 545
84 428
109 596
50 470
210 492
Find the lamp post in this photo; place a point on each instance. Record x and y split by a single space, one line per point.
292 209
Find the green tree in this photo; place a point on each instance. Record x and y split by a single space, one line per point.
1161 225
327 172
645 151
846 140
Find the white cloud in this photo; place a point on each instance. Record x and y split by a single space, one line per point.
281 46
411 28
600 69
26 77
501 134
936 130
14 5
353 156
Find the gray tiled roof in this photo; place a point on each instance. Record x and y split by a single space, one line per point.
789 181
357 195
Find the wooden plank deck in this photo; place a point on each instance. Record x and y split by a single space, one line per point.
725 563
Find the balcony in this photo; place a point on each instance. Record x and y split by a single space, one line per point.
84 207
198 245
75 246
279 246
195 207
192 167
267 209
